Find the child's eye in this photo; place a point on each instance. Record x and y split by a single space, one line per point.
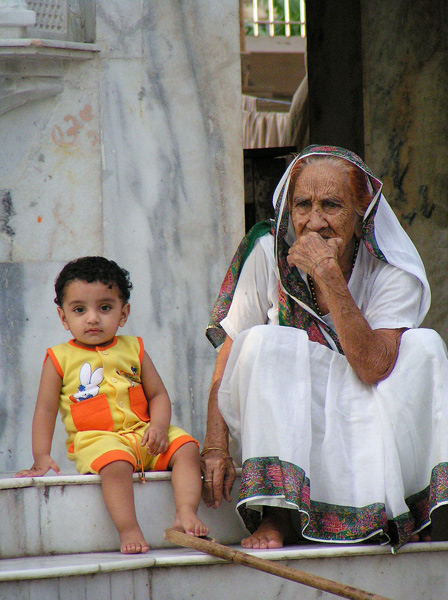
105 307
78 309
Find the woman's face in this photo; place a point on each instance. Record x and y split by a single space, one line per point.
322 202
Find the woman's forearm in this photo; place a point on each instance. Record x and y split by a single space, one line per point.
371 353
216 464
217 434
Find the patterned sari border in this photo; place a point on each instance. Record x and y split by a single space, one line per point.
271 478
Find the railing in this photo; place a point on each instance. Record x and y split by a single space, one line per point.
274 17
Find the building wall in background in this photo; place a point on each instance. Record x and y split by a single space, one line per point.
138 158
378 85
405 66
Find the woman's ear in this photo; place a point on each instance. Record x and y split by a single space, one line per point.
124 313
61 315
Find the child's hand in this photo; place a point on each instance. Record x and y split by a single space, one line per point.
41 466
155 438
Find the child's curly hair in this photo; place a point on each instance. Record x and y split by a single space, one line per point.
91 269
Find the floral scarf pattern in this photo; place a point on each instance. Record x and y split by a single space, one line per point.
296 307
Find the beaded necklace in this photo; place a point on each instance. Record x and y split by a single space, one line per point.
313 289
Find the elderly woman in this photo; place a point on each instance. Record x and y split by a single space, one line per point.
336 402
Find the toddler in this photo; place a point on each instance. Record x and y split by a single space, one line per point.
113 403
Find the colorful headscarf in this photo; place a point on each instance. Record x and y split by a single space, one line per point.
382 235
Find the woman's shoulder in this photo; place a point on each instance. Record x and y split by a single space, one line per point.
265 247
382 269
267 241
391 297
261 258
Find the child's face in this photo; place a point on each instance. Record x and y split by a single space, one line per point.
92 312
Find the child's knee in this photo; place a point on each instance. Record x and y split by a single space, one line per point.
117 468
188 452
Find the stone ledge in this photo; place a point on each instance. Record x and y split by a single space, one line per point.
7 482
50 49
45 567
42 510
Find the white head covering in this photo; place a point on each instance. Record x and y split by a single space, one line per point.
382 234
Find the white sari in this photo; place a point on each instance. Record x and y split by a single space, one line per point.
354 461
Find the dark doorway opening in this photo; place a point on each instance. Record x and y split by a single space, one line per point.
263 169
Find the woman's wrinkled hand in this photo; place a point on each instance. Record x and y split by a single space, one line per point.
308 250
218 475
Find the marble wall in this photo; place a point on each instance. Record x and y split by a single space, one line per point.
139 158
405 65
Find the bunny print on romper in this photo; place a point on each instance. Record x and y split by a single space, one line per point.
89 382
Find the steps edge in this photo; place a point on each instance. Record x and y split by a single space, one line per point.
106 562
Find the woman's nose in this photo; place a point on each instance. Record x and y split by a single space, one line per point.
317 219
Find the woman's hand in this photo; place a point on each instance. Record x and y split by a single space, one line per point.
312 249
372 354
218 475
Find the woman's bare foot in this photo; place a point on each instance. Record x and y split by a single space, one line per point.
133 542
422 536
437 530
187 521
274 529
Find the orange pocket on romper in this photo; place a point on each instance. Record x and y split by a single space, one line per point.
92 413
139 403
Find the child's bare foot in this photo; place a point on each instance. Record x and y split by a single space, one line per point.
133 542
188 522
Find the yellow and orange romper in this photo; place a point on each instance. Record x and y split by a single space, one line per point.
104 408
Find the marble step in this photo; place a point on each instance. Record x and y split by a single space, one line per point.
57 543
66 514
417 572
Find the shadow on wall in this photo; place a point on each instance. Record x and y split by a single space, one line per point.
12 318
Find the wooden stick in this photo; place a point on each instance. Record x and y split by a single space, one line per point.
242 558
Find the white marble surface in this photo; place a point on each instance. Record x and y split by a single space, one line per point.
15 13
173 209
410 577
66 515
94 562
139 159
417 574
